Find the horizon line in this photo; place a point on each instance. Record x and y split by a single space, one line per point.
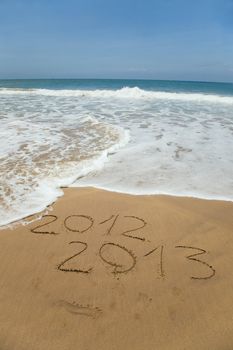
140 79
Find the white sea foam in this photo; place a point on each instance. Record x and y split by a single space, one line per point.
180 144
125 93
42 156
47 190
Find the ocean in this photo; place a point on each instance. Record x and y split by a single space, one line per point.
132 136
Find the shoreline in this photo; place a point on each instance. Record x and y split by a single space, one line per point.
38 214
107 270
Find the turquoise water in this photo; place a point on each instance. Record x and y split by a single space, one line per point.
132 136
114 84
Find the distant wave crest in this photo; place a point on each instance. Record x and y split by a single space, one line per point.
125 93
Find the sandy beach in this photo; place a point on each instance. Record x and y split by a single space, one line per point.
104 270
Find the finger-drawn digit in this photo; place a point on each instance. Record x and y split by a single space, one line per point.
161 270
61 265
35 229
86 217
128 232
192 257
118 268
114 217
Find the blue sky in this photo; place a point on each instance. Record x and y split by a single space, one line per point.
152 39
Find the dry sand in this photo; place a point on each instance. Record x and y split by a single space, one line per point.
114 271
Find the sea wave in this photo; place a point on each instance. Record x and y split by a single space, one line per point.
125 93
32 178
180 144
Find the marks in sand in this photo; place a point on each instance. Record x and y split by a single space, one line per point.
119 258
80 310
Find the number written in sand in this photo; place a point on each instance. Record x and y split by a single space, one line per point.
62 267
111 253
160 248
119 257
140 227
78 223
128 233
192 258
48 222
112 219
81 223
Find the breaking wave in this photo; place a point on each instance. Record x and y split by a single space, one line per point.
125 93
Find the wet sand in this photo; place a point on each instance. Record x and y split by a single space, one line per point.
104 270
